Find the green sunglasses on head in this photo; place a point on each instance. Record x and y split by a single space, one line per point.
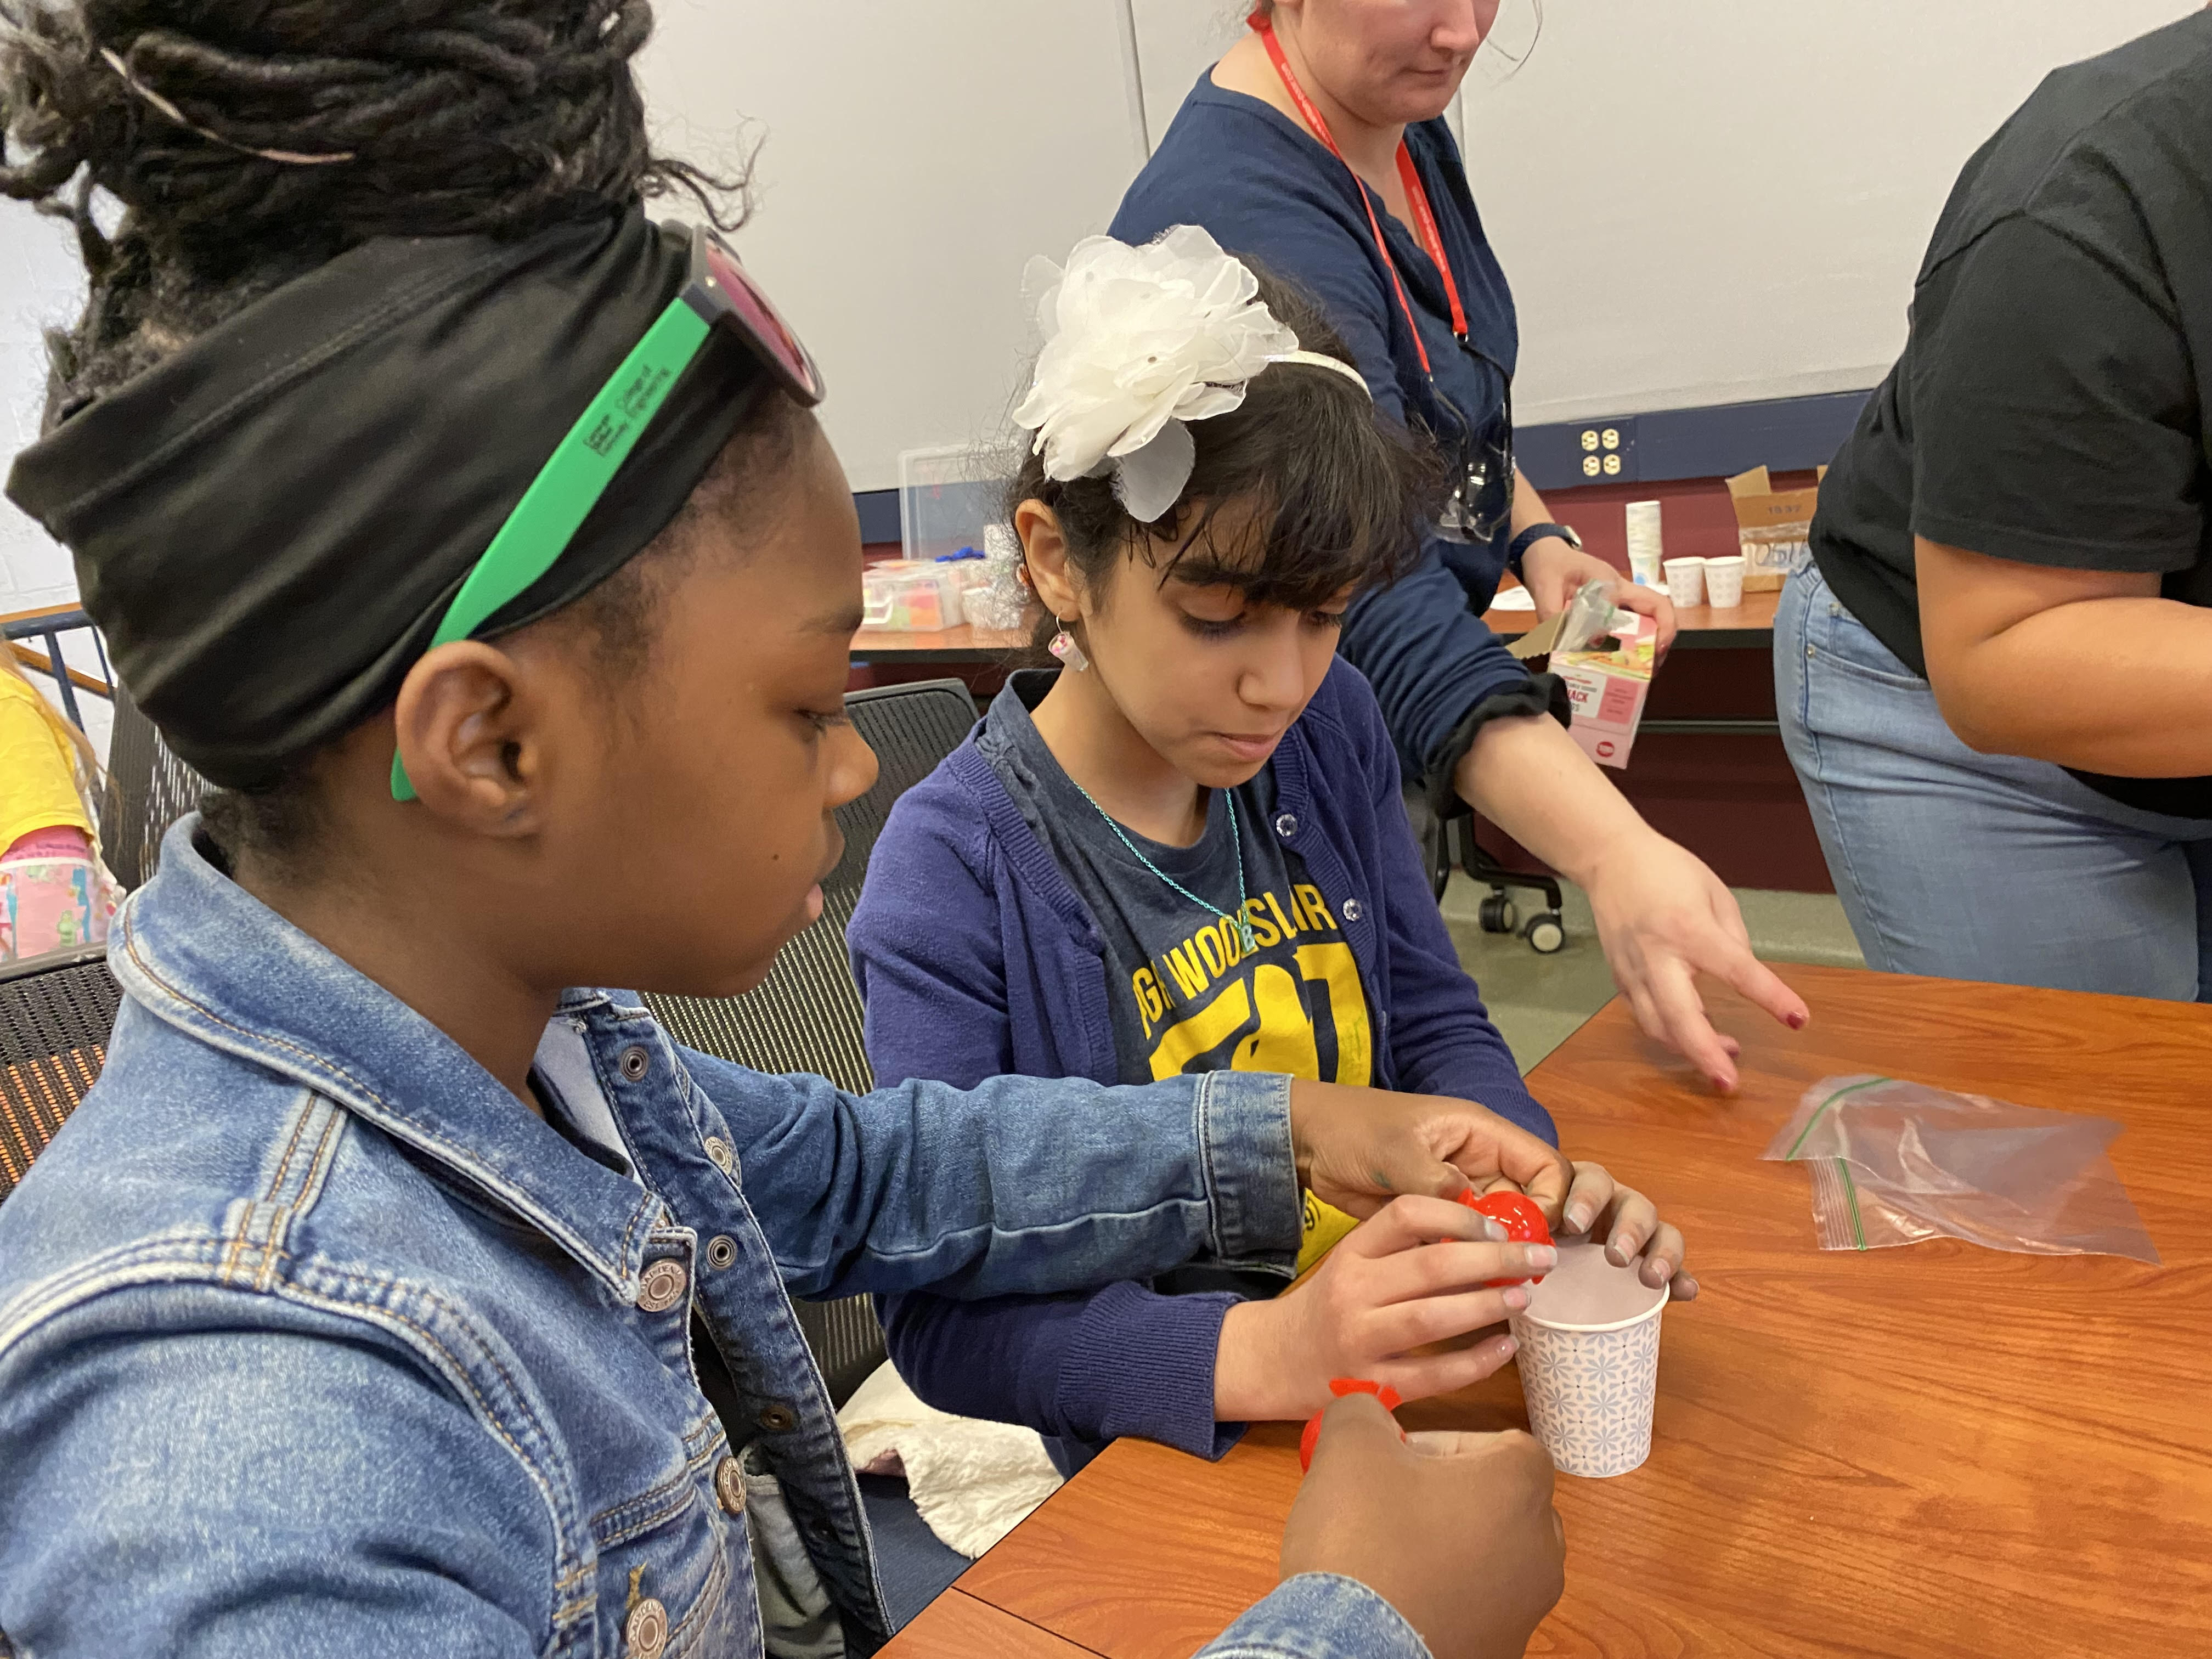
585 462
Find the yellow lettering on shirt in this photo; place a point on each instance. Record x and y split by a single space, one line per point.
1233 939
1317 913
1323 1229
1209 1027
1208 945
1151 1005
1285 1041
1334 965
1264 933
1190 974
1262 1013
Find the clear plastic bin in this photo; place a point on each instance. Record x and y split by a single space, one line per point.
911 596
947 496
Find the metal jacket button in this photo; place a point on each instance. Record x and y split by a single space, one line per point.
775 1416
645 1629
721 1250
729 1486
662 1285
636 1062
719 1154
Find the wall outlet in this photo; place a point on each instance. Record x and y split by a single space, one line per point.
1604 451
1569 454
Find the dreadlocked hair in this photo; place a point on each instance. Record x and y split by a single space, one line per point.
1343 498
248 141
494 117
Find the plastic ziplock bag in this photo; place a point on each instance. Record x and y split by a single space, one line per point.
1589 615
1893 1163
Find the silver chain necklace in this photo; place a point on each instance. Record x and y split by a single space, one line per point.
1243 917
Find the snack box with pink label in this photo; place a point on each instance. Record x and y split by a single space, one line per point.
1607 689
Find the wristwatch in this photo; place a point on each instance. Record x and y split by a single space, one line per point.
1536 533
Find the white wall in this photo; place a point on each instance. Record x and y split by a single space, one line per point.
1710 201
1700 201
41 283
914 154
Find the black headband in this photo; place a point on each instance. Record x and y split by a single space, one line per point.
269 525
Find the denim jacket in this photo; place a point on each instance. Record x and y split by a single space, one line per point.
314 1342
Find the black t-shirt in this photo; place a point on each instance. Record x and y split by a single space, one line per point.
2051 406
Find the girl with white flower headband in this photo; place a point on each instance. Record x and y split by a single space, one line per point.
1317 146
1186 850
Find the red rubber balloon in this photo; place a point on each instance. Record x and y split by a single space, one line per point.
1523 1223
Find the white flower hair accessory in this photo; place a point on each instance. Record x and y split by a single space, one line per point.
1139 341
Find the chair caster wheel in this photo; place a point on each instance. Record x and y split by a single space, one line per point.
1498 916
1546 932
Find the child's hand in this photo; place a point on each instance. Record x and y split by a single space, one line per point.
1359 1148
1389 1286
1622 1219
1456 1531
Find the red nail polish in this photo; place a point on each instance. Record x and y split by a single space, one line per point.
1797 1022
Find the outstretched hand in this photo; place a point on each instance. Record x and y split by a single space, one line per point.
1662 918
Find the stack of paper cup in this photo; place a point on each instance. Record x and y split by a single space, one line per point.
1724 582
1646 548
1685 581
1590 1362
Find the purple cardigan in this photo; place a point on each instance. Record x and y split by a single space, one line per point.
975 958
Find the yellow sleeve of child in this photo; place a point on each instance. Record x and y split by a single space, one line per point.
38 776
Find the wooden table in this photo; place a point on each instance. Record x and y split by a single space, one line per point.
1935 1451
964 644
1748 624
1698 627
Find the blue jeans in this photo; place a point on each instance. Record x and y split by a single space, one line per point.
1977 866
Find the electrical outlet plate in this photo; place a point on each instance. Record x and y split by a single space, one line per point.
1604 451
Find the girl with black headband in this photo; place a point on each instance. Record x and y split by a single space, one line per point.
470 532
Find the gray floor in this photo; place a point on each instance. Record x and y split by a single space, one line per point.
1539 1000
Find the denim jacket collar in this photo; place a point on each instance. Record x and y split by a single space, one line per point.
199 952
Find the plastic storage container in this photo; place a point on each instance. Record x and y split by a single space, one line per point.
946 497
917 596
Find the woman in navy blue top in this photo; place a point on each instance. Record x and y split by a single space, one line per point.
1246 157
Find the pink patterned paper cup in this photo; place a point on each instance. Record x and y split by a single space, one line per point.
1589 1363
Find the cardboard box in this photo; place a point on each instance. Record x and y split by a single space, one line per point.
1772 526
1607 689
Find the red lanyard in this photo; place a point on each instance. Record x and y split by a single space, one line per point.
1424 222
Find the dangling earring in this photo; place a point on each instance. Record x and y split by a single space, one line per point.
1064 647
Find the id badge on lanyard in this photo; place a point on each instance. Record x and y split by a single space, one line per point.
1486 465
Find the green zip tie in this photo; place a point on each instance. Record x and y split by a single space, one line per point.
1851 1196
1851 1089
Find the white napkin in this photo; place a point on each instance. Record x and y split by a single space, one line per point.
973 1482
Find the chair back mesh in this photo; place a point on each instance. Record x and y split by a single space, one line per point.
805 1015
55 1015
148 789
